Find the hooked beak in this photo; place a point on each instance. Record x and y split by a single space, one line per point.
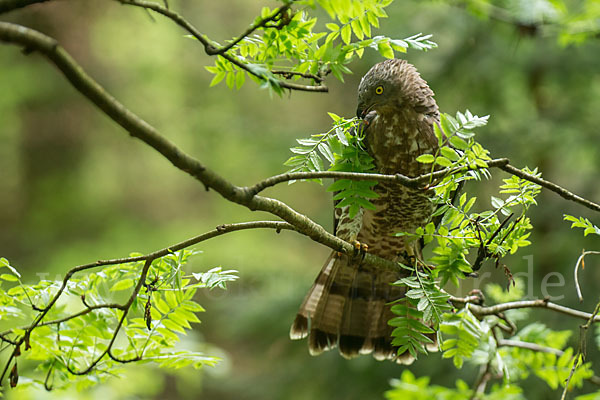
360 111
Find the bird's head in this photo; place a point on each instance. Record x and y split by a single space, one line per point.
384 86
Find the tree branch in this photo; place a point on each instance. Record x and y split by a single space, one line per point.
414 183
529 346
562 192
218 231
580 262
278 14
137 127
513 305
418 181
212 50
290 74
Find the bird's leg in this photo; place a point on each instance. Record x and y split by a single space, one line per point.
477 296
360 249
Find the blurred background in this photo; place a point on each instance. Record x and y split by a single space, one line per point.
76 188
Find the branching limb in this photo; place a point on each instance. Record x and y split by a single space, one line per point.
513 305
562 192
137 127
218 231
529 346
212 50
414 183
280 14
419 181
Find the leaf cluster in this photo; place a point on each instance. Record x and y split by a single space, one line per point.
584 223
419 313
411 387
456 228
295 49
91 330
343 149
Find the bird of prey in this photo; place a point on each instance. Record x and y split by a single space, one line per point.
348 305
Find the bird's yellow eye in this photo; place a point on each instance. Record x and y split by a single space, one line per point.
379 89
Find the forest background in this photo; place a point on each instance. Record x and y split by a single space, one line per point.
73 191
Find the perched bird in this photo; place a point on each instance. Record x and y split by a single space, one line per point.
348 305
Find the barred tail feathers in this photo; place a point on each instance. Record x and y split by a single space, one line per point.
348 307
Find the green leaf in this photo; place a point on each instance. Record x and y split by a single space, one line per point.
122 285
443 161
426 158
230 79
9 278
340 184
240 78
326 152
449 153
5 264
385 49
217 78
346 33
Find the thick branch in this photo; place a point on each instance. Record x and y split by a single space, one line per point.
137 127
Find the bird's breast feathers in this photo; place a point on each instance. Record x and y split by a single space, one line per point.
396 139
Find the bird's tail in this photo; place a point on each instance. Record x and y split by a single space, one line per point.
349 306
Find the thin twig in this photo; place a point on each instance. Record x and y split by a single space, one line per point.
564 193
218 231
211 49
418 182
575 274
513 305
276 15
529 346
484 376
576 359
290 74
137 127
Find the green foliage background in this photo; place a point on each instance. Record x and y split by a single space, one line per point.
75 188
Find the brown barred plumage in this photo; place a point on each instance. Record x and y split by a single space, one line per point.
348 305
